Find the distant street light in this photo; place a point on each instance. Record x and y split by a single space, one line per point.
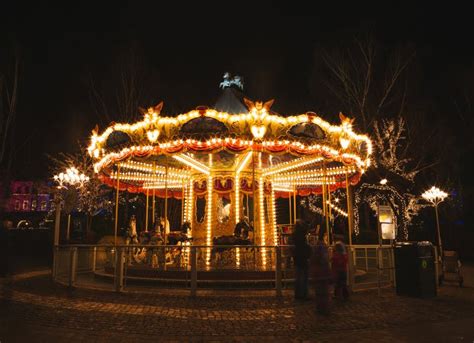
73 178
436 196
383 181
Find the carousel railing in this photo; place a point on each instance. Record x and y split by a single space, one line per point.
193 266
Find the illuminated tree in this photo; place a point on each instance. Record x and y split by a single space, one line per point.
91 198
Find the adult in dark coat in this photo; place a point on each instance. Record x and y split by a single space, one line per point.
301 255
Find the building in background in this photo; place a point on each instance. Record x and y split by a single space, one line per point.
26 201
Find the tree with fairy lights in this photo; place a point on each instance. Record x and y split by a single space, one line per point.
91 198
374 85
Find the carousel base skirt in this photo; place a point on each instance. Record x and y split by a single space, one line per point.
205 278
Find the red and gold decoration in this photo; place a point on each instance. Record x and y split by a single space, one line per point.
210 154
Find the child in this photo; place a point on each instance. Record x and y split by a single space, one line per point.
339 269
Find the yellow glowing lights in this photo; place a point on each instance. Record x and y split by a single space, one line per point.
191 162
241 166
258 122
153 135
434 195
258 131
209 212
71 178
344 142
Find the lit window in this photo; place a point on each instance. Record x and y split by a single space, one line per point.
25 205
43 206
33 205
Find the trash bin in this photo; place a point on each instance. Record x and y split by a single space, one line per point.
415 269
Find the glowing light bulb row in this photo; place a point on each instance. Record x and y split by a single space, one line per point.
143 166
315 173
158 176
316 182
161 186
261 199
337 209
243 143
209 212
126 176
273 217
301 162
152 120
190 201
191 162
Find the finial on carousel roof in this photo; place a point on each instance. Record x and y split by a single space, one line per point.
154 109
345 120
95 130
229 81
258 104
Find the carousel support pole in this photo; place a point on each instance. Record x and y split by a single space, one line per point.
182 204
350 279
294 205
289 208
117 204
331 233
349 208
247 204
153 219
325 203
166 200
166 209
255 222
254 195
146 210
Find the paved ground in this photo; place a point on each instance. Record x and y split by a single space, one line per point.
32 309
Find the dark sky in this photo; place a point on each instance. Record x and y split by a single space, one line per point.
189 48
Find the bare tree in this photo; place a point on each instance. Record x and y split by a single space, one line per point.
367 81
116 94
371 83
9 81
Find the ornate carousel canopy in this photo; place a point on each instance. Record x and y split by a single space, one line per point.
231 150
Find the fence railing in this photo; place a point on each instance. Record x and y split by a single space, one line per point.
192 267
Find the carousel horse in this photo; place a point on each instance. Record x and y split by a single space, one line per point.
140 253
240 237
154 254
132 238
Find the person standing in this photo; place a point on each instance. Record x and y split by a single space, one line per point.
321 272
339 270
301 255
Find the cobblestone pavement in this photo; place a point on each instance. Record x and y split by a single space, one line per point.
35 310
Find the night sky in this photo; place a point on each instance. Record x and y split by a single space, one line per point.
271 46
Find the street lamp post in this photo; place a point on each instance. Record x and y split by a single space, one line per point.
73 178
435 196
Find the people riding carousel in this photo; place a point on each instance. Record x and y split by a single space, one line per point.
243 228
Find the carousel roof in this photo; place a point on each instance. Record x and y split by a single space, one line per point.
294 151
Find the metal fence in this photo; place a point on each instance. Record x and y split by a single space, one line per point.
193 267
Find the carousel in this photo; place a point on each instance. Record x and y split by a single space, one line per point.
230 164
